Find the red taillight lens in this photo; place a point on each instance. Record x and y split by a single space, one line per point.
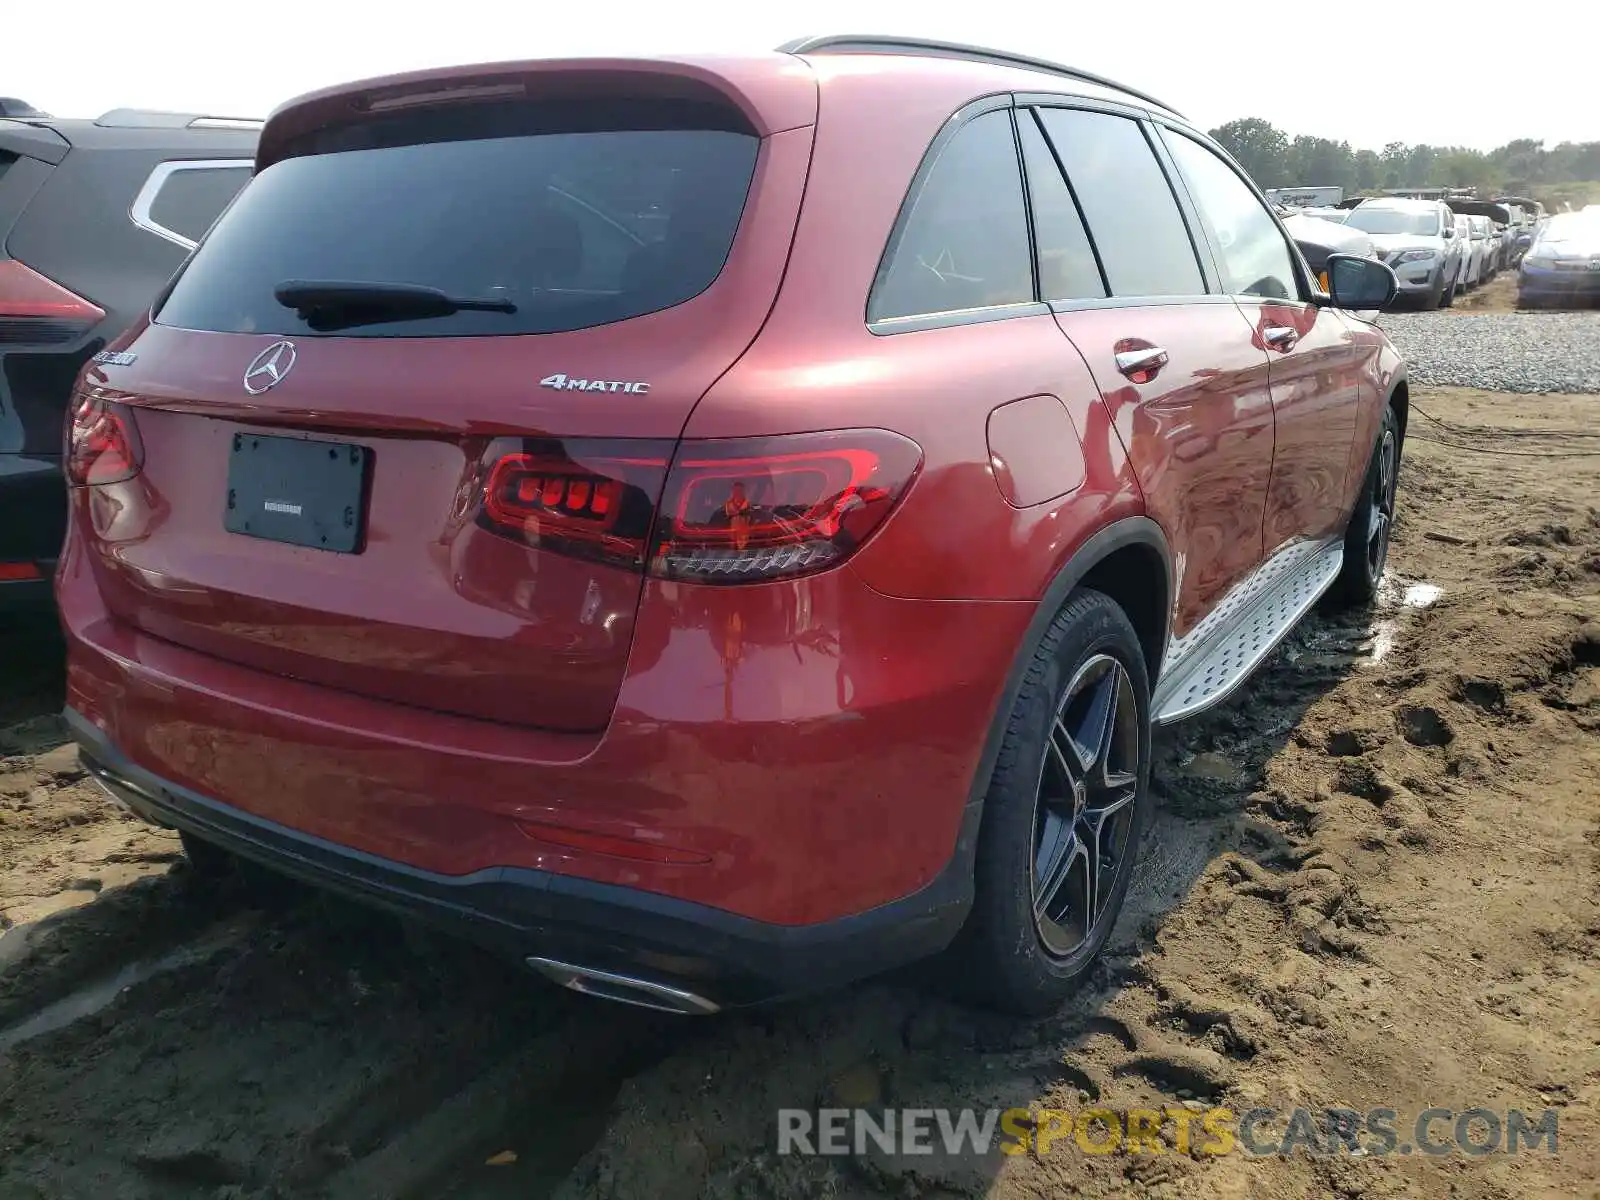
37 310
592 500
103 443
741 510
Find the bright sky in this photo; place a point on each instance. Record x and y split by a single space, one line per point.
1403 70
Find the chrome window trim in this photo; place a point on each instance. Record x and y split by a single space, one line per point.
139 210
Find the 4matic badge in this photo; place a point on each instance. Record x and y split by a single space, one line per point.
567 383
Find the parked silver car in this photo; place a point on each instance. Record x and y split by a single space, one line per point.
1417 238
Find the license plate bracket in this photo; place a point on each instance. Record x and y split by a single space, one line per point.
298 490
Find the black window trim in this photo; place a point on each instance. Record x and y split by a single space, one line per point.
954 124
139 210
1150 125
1031 113
1307 297
1209 277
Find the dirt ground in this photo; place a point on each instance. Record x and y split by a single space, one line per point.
1499 295
1374 882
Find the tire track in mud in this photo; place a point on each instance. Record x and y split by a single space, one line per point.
1319 916
1325 913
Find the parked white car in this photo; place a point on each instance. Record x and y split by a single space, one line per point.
1417 238
1483 233
1470 270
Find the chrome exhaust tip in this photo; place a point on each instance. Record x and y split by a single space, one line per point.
624 989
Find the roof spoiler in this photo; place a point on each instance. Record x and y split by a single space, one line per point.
1481 208
32 141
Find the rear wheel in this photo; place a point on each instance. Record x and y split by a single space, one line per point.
1366 538
1065 811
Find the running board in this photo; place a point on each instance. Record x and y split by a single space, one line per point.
1210 673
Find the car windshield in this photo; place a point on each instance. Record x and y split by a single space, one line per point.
1579 236
1393 220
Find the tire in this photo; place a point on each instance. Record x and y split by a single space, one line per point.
1434 298
1449 297
1044 810
1366 538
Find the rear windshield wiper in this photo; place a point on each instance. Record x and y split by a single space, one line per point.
339 304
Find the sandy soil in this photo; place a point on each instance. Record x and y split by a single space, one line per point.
1499 295
1374 881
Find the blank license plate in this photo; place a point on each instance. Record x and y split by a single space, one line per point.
295 490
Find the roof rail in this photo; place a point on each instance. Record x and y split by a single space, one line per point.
889 44
139 118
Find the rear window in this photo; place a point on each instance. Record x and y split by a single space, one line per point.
575 228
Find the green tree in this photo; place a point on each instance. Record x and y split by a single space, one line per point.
1369 171
1259 147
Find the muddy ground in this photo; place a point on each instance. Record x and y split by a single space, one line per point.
1499 295
1374 882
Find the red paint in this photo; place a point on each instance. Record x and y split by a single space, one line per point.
1025 438
796 750
1199 435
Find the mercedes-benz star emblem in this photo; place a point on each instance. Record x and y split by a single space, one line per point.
268 369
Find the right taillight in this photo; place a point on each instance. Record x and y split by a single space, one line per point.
38 311
744 510
729 510
103 443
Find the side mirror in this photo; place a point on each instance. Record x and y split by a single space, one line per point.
1360 284
1449 233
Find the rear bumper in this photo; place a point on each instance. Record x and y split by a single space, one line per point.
33 515
789 756
27 595
702 951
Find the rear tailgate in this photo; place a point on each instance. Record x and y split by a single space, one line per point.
605 226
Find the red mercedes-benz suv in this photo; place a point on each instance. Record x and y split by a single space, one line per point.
716 528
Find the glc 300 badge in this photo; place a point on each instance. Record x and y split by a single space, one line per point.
569 383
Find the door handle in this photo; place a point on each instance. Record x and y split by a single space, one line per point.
1142 365
1280 337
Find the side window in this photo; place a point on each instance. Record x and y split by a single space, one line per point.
1067 266
189 198
1133 217
1255 254
965 244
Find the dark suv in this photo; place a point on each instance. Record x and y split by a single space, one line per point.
95 216
714 528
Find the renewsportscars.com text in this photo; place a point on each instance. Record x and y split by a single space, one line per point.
1256 1132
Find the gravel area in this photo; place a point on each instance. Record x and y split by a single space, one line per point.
1500 352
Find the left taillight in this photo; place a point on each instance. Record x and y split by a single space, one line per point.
103 443
748 510
39 311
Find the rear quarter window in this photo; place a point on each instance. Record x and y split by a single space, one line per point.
964 242
576 228
188 198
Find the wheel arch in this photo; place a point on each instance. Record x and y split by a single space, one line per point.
1130 561
1400 401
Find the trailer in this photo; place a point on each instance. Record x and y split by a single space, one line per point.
1306 197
